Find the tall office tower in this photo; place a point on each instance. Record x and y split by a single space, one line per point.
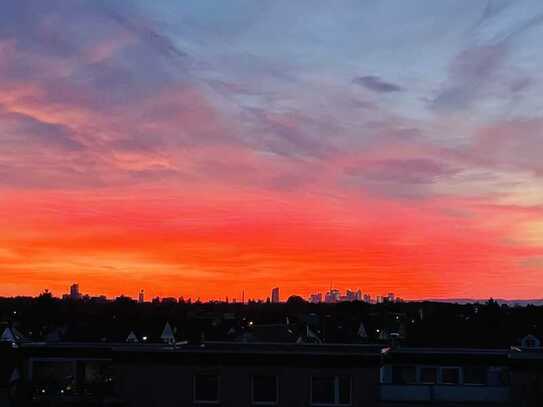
332 296
141 297
74 292
315 298
358 295
275 295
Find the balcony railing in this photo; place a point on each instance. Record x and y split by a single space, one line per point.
445 393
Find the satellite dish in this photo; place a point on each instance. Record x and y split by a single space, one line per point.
530 341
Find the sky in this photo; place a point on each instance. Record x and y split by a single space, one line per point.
203 148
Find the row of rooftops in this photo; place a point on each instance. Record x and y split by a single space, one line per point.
358 350
227 351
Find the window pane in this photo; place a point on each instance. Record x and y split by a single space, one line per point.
428 375
404 375
344 388
386 374
323 390
206 387
265 389
450 375
498 376
474 375
53 377
98 377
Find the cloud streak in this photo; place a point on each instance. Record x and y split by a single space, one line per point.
376 84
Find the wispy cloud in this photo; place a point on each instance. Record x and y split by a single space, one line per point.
376 84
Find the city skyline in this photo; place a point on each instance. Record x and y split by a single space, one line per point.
222 149
333 295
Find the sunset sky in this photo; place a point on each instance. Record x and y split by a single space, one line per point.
201 148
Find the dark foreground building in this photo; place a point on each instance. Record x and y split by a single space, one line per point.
258 374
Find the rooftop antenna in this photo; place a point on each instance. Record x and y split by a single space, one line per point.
243 296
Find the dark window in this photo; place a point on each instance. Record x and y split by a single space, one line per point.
404 374
53 377
428 375
331 390
344 389
95 377
323 390
206 388
450 375
265 389
498 376
475 375
386 374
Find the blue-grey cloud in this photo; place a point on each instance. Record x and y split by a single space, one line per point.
470 72
20 130
376 84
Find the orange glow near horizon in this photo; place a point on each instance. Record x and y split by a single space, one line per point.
115 245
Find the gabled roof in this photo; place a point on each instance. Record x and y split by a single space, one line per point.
132 338
11 335
167 333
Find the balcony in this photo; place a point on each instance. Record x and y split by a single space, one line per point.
444 393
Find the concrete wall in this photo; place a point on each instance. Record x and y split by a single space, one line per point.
157 385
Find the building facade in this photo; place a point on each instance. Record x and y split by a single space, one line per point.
234 374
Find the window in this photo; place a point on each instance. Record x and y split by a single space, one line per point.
404 375
450 375
264 390
53 377
96 376
206 388
475 375
330 390
498 376
428 375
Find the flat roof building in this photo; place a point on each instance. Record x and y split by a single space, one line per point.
245 374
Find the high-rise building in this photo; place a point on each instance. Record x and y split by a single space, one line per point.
275 295
358 295
332 296
353 295
141 297
315 298
74 292
390 297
